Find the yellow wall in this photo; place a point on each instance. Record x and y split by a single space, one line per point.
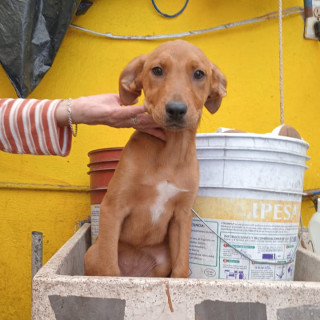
87 65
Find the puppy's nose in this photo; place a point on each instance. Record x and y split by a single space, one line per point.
176 110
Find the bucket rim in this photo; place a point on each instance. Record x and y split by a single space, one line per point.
99 170
264 136
102 161
290 192
282 162
104 150
201 148
98 189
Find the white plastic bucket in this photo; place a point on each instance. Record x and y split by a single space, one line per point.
250 193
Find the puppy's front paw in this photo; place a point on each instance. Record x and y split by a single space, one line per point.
180 273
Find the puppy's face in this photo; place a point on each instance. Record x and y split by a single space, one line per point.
177 79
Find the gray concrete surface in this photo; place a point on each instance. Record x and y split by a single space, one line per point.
85 308
303 313
212 310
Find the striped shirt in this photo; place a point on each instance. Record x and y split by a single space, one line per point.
29 126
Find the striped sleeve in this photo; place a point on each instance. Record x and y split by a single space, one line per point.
29 126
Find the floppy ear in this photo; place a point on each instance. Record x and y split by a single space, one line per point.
130 82
217 89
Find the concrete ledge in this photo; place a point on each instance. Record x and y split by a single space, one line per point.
60 291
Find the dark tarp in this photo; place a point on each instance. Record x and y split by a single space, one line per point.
31 32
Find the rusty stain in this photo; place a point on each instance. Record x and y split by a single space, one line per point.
169 297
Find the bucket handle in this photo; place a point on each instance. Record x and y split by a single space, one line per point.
245 255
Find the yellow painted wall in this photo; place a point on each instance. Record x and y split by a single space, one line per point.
87 65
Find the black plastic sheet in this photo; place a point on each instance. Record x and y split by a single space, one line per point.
31 32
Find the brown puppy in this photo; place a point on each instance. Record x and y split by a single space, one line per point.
145 218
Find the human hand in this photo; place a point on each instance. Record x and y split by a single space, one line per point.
106 109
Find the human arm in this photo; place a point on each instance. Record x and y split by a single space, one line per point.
106 109
29 126
42 126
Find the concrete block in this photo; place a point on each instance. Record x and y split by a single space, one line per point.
84 308
212 310
60 288
303 313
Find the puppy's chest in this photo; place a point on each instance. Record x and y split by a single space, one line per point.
165 192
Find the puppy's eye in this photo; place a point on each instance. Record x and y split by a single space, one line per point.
198 74
157 71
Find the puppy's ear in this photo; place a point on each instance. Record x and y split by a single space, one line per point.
217 89
130 82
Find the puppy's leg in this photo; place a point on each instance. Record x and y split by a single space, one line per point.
102 257
179 237
111 219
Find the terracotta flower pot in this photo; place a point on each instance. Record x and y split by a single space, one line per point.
103 163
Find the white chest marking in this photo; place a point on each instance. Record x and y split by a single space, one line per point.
166 191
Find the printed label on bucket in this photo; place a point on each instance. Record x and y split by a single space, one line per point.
95 213
263 230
